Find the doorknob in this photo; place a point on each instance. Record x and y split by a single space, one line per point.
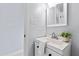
24 35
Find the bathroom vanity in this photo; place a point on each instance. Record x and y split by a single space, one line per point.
52 47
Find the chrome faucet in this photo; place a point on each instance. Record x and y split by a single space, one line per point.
54 35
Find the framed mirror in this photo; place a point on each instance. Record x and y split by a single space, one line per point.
57 15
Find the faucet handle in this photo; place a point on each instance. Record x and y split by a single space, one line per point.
54 35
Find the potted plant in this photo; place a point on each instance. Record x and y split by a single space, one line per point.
66 36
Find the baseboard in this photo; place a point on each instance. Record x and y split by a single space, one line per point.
16 53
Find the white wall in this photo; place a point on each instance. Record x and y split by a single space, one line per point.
73 27
36 26
11 27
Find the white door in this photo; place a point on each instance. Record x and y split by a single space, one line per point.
34 25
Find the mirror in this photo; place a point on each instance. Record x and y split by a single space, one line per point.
57 15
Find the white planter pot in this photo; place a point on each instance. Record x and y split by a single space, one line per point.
66 39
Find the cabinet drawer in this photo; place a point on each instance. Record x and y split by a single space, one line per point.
50 52
55 49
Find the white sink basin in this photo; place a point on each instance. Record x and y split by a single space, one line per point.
58 43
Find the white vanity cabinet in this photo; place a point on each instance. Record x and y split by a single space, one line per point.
53 51
54 47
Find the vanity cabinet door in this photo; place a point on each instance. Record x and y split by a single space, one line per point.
50 52
36 48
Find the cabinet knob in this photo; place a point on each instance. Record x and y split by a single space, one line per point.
37 46
50 54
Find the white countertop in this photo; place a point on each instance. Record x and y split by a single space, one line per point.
60 44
